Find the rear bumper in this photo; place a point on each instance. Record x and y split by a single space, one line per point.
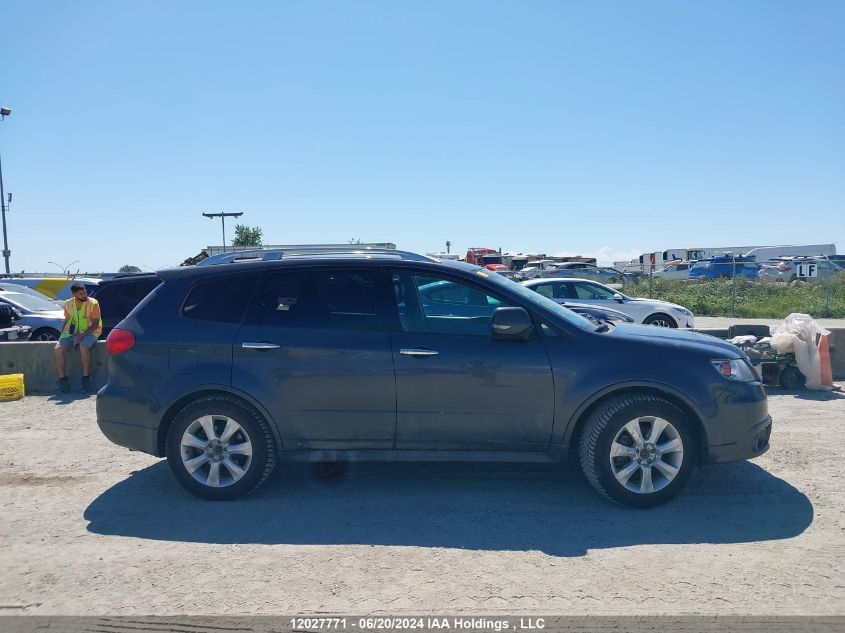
753 442
136 438
129 418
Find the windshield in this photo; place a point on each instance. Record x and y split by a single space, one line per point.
33 304
539 300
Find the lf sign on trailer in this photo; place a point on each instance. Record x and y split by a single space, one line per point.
808 270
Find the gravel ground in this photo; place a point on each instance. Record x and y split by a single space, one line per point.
89 528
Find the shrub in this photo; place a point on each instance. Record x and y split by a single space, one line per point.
754 299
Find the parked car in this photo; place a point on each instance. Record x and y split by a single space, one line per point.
588 292
599 314
44 317
798 268
724 267
53 287
513 275
678 270
119 295
536 267
10 328
11 287
839 260
449 298
586 271
227 369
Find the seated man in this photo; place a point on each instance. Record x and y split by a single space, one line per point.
83 324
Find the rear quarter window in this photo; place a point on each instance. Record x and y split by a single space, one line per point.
222 299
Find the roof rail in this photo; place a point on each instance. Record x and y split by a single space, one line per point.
272 254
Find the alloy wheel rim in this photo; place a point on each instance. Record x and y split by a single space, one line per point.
661 322
216 451
646 455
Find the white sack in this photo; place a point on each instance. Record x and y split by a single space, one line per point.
801 330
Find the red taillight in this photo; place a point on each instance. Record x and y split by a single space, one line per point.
725 368
118 341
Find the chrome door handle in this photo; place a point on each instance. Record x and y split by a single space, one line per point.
259 346
418 352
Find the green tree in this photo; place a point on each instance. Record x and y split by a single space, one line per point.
128 268
247 235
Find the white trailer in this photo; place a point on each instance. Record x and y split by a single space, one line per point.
659 259
765 253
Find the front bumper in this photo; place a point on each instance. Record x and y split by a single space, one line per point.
752 443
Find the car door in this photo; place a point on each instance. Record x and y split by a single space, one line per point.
315 351
554 290
598 295
458 387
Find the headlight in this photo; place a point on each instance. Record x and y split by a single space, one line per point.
683 311
738 370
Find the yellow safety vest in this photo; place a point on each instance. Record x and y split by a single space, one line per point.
80 317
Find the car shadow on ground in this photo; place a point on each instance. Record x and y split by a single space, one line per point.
467 506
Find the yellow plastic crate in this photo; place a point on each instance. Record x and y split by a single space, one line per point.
11 387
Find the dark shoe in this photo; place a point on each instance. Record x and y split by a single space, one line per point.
86 384
64 385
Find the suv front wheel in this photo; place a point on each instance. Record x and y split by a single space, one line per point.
638 450
220 448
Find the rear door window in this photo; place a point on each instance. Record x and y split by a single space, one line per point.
591 292
318 299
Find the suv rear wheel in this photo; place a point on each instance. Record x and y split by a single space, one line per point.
220 448
638 450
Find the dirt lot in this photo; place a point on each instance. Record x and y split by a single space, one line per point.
90 528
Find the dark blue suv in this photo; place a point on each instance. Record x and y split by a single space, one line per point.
227 368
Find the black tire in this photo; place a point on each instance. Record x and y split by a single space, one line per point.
607 421
792 378
253 425
45 334
660 320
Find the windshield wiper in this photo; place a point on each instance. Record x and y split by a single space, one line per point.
604 327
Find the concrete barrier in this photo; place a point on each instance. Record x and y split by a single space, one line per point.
35 361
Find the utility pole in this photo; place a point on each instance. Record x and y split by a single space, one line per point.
223 217
4 112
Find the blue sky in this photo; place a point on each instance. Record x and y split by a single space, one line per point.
594 127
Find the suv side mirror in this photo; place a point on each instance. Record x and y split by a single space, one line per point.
618 298
511 323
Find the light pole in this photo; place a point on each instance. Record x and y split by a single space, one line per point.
223 217
4 112
65 268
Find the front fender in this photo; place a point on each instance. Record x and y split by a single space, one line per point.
570 426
